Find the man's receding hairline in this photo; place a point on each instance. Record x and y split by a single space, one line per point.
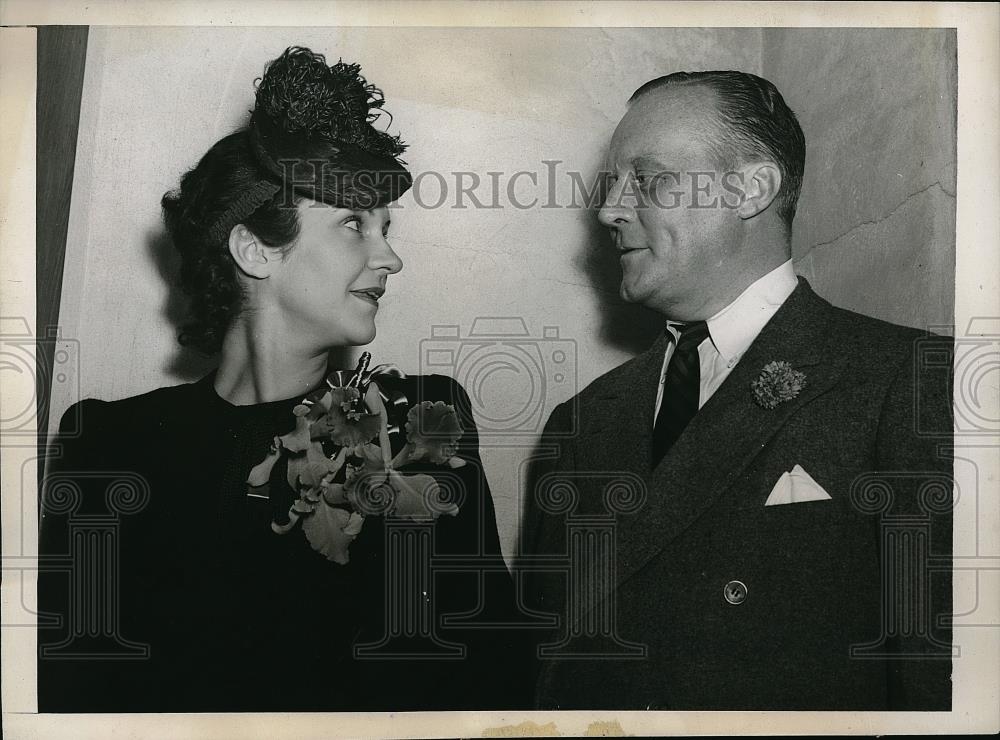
645 91
713 103
712 115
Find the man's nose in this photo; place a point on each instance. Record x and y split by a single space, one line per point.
614 212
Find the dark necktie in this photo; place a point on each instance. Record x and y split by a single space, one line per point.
681 390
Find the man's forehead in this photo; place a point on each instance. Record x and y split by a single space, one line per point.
663 122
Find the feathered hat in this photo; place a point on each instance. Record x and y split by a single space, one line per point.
311 131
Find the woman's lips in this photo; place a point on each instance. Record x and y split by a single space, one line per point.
369 295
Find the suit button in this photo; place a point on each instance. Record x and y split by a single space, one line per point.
735 592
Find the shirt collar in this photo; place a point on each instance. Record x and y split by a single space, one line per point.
734 328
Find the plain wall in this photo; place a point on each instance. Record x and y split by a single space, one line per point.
503 100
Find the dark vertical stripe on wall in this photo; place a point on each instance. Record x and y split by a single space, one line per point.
61 55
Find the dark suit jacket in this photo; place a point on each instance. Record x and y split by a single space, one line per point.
843 601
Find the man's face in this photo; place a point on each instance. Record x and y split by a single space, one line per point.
671 207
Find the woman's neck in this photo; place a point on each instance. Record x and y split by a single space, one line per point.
259 366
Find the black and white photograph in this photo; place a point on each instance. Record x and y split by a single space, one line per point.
505 369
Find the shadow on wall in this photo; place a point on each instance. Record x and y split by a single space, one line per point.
627 327
187 363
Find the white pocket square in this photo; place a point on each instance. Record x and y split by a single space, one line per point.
794 488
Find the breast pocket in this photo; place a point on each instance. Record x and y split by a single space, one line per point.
748 498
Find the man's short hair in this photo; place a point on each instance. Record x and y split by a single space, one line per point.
754 121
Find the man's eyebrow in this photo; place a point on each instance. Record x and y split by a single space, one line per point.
649 162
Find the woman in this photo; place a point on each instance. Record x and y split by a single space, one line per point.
245 563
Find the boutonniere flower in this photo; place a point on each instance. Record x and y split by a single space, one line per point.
778 382
340 468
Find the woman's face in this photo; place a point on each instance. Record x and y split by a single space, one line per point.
327 286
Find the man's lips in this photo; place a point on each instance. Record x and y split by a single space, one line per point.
370 294
622 251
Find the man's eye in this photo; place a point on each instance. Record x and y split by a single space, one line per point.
353 223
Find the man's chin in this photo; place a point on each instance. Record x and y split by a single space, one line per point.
629 295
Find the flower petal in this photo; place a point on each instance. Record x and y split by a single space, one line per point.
303 506
778 382
298 440
333 493
419 497
297 466
370 494
433 431
346 421
261 472
293 518
330 531
354 524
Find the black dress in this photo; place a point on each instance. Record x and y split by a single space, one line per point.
163 587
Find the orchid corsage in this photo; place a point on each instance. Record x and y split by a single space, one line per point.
340 467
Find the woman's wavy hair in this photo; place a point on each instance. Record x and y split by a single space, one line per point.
310 135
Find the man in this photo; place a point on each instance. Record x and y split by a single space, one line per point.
755 512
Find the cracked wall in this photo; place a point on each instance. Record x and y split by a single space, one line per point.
875 229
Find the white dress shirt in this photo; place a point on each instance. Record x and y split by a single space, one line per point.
732 330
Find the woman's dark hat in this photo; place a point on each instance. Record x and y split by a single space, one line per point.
312 128
311 131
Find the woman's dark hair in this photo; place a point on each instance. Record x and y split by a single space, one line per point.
310 135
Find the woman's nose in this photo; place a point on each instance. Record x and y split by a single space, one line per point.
385 258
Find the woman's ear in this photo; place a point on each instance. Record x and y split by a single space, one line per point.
762 181
252 257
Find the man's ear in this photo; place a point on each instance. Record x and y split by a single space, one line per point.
762 181
254 258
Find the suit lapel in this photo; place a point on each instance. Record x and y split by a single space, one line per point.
726 434
621 422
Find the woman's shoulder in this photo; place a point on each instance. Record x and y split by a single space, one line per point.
94 434
150 408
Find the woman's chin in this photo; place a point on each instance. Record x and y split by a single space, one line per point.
362 336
